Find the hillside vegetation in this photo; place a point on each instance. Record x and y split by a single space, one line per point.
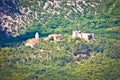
55 60
51 60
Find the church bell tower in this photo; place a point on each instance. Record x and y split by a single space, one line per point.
36 35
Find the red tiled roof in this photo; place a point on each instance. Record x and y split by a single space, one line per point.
32 41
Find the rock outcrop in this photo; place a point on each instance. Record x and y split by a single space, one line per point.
15 14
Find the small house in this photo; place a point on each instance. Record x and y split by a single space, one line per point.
55 37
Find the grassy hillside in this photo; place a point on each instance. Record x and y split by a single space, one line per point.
55 60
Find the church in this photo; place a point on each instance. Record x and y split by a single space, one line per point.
33 41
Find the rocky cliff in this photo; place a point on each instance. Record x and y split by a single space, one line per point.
16 14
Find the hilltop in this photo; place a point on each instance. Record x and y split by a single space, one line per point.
57 60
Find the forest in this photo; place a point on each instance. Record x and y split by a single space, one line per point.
50 60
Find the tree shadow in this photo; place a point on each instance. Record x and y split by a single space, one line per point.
18 40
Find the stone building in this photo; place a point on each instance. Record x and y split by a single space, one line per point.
55 37
86 36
